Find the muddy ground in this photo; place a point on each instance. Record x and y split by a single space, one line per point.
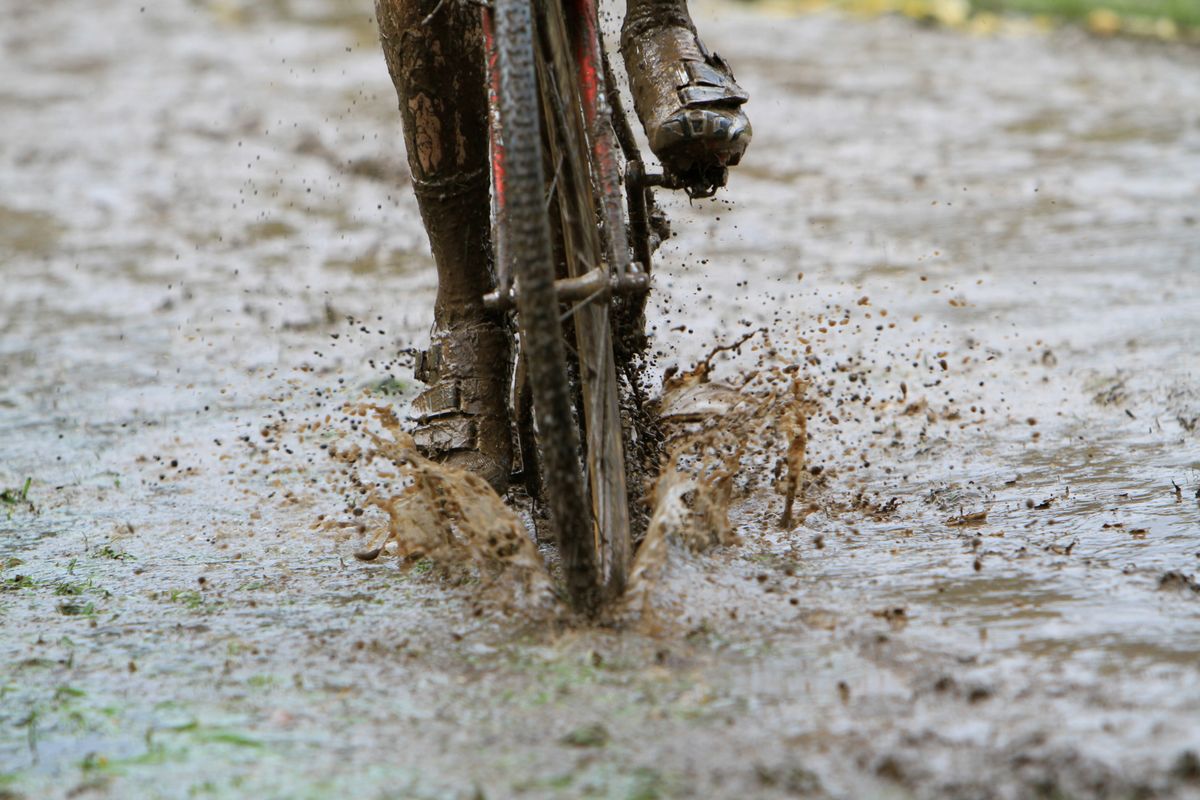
991 247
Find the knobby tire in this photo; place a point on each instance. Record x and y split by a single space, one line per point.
525 238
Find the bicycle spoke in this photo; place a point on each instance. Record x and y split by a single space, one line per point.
570 312
554 182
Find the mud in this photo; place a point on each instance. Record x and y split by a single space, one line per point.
980 256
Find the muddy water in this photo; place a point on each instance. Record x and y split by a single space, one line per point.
208 247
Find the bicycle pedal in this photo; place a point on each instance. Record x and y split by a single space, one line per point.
699 182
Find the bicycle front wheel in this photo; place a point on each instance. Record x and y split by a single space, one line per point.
524 237
549 225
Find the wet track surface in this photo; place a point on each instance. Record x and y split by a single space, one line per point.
983 253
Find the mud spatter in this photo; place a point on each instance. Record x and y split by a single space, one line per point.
446 515
724 440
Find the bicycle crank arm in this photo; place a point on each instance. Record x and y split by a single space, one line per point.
598 284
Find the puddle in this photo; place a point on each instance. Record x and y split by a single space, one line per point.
987 287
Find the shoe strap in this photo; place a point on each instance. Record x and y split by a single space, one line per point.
706 85
447 435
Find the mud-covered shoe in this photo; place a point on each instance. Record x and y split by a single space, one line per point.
462 418
687 99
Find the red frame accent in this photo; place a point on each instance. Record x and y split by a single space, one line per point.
597 115
495 142
493 78
587 57
583 20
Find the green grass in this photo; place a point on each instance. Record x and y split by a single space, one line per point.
1161 19
70 588
17 582
181 744
387 387
13 497
108 551
227 737
188 597
65 692
1184 13
77 609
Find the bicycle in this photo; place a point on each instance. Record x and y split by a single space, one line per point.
567 236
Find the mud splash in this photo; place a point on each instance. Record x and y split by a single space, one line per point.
449 516
724 440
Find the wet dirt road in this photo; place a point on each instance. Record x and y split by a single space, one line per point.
991 246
